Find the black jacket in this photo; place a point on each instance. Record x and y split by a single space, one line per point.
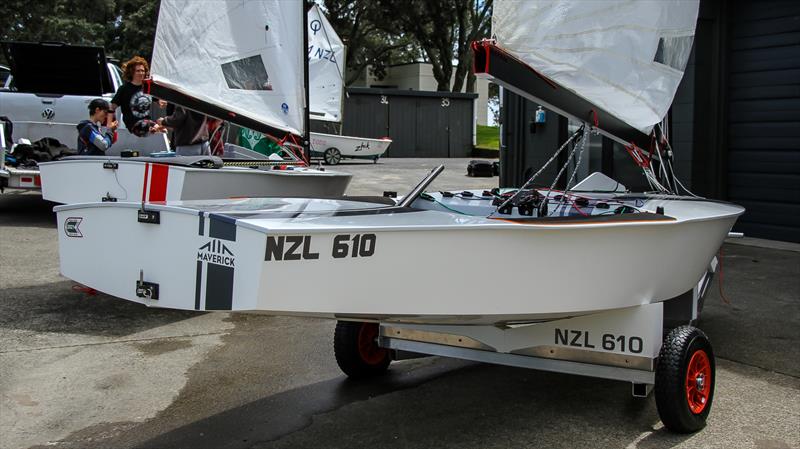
189 127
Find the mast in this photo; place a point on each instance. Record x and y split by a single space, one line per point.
306 124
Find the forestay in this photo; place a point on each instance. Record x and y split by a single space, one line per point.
625 57
243 56
325 68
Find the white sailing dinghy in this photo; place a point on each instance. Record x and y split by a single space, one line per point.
238 61
326 59
584 281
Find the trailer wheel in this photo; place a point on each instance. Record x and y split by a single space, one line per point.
357 351
685 380
332 156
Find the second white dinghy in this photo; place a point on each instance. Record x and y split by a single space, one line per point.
220 59
86 179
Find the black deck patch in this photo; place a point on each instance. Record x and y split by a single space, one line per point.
222 227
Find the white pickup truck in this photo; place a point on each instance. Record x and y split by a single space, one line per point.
48 94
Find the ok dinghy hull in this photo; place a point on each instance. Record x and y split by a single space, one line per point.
333 147
91 179
363 260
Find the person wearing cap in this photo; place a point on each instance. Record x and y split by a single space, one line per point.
93 138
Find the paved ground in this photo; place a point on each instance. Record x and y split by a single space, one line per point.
81 371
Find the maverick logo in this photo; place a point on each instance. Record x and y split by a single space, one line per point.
217 253
72 226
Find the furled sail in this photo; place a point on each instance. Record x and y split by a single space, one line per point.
239 56
627 57
325 68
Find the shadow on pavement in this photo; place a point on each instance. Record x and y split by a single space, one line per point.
759 325
475 406
20 208
57 308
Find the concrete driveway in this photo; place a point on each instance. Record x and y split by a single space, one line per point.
80 371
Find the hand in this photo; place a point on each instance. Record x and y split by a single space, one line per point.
158 129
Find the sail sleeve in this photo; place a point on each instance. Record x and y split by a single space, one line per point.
627 57
244 57
326 59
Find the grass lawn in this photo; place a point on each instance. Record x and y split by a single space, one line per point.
488 137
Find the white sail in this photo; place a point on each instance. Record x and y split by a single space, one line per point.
325 68
244 56
626 57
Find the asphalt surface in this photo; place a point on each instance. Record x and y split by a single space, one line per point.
80 371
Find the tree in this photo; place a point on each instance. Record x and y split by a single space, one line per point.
430 23
124 27
474 22
367 44
134 29
443 29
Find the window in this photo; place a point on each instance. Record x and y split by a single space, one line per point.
247 74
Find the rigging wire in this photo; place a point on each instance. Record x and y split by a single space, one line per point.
546 164
571 156
675 177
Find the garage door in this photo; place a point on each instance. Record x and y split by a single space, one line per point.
764 118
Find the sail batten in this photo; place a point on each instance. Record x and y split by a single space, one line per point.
625 57
242 57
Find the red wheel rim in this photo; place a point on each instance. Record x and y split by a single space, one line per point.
368 349
698 381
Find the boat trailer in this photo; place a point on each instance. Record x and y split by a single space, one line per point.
655 347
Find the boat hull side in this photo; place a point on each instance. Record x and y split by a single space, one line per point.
212 184
348 146
85 181
491 274
192 258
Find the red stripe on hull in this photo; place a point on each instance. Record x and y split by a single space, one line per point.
158 182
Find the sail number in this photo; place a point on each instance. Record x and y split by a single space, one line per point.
301 247
357 245
609 342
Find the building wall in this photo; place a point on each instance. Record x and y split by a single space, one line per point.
734 122
420 124
419 76
763 132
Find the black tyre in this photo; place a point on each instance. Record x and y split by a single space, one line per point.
332 156
685 380
357 351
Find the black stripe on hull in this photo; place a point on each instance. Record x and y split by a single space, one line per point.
219 287
198 283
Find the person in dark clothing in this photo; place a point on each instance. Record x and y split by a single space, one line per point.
190 131
93 139
134 103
